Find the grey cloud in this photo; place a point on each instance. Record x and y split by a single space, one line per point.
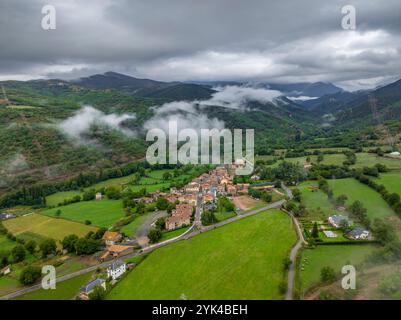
202 40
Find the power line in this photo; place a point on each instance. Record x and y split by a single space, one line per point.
4 94
379 120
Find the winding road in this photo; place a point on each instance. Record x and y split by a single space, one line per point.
294 251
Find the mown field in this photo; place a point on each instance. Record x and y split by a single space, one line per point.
46 226
391 180
242 260
131 228
354 190
316 202
6 244
65 290
363 159
103 213
370 159
335 256
59 197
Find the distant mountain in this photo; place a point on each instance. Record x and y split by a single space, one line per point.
385 100
331 103
316 89
145 87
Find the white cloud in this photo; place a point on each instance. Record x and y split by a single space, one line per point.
189 114
302 98
81 122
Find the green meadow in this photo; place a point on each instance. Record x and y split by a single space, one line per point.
46 226
65 290
242 260
391 180
103 213
334 256
354 190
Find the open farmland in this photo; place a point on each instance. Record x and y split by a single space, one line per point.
370 159
316 202
335 256
59 197
354 190
242 260
391 180
102 213
46 226
65 290
6 244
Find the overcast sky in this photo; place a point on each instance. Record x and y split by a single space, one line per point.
256 40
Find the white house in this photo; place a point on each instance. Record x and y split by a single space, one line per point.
6 270
116 269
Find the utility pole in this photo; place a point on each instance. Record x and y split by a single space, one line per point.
388 137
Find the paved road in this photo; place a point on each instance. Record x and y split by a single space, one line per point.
293 257
191 232
198 212
295 249
145 227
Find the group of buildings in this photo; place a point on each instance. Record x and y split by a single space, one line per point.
340 221
204 189
114 271
201 191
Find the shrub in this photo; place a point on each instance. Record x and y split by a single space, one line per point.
29 275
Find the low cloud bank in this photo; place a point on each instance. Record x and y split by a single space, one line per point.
190 115
81 122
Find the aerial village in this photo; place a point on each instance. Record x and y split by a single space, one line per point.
200 194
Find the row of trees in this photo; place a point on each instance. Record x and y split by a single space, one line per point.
35 195
85 245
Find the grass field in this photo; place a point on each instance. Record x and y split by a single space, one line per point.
242 260
27 236
391 180
6 244
223 215
8 284
46 226
354 190
370 159
102 213
172 234
131 228
335 256
65 290
319 207
59 197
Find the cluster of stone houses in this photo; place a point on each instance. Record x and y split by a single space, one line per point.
180 216
205 188
114 248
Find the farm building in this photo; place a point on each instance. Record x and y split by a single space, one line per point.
111 237
90 286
